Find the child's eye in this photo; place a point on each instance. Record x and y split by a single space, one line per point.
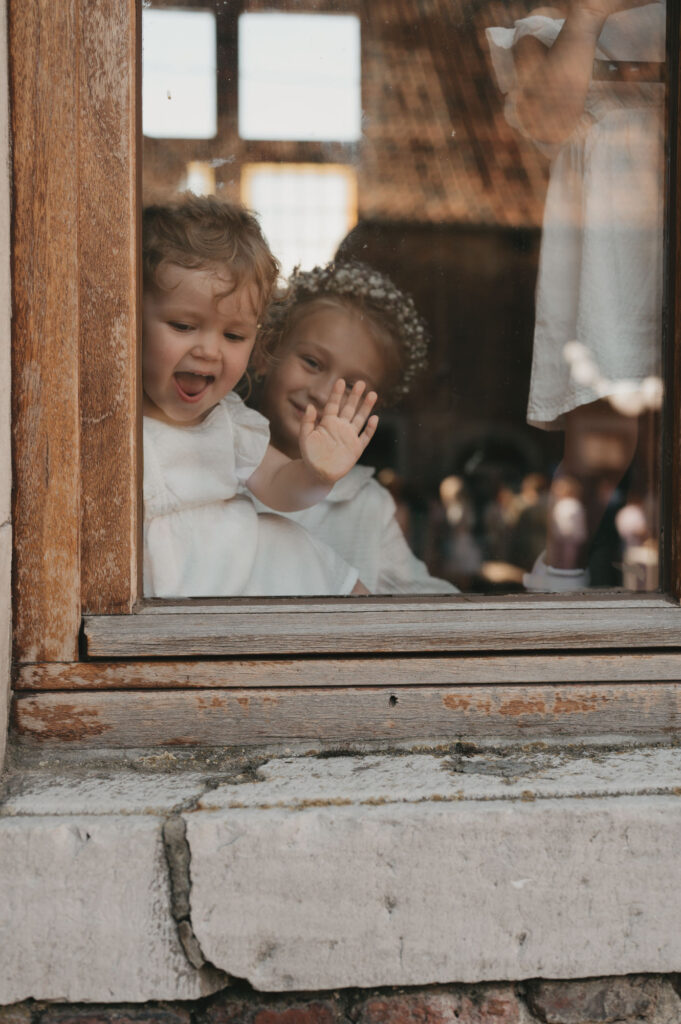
309 361
234 337
178 325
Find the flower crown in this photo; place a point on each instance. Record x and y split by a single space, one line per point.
377 294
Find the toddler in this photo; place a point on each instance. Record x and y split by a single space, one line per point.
345 320
208 274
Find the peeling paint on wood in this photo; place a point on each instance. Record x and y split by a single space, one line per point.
456 703
64 721
565 704
466 669
528 705
422 714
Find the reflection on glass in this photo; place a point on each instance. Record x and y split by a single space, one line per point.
501 164
200 178
179 98
299 77
584 83
306 210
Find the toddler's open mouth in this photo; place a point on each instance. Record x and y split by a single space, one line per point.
192 385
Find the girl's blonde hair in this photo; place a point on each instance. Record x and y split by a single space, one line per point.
389 314
199 232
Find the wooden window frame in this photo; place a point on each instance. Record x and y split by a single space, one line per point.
452 666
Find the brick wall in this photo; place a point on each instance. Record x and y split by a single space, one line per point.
635 999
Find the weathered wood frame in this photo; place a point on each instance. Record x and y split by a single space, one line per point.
74 70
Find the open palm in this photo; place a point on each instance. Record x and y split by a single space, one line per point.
331 447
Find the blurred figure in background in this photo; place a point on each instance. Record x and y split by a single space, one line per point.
459 552
584 81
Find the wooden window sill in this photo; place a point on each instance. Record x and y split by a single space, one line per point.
253 628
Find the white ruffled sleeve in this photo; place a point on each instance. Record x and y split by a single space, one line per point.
251 436
502 41
501 45
155 492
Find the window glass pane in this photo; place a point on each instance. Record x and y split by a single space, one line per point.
502 164
299 77
178 87
306 210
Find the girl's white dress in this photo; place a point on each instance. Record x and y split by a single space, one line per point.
358 520
600 267
202 534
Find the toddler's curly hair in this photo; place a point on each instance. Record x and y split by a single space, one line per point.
388 313
199 232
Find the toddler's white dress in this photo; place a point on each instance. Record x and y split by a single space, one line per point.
600 267
358 520
202 534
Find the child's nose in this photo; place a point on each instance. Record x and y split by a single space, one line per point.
207 346
320 391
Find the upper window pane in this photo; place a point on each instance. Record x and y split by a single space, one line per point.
299 77
179 99
518 199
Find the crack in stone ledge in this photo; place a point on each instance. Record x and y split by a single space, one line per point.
178 858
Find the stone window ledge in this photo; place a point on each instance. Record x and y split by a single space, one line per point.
162 876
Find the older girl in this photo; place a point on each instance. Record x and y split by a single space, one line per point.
346 320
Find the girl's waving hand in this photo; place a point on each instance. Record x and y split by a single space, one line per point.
328 449
331 446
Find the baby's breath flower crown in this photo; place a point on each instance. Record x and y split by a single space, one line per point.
372 291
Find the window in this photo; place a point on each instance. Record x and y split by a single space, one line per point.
179 98
441 189
400 668
299 76
305 210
